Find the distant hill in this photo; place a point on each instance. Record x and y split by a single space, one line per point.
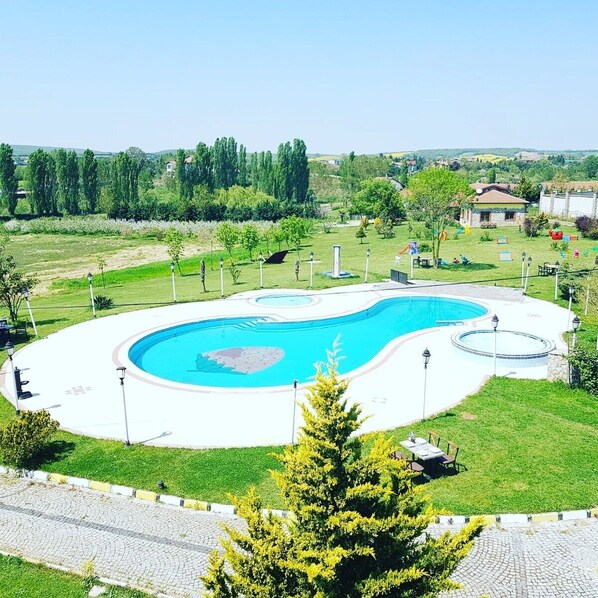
25 150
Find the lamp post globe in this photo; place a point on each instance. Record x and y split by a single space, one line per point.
576 324
221 277
494 326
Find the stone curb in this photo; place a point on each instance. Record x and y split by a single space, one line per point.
200 505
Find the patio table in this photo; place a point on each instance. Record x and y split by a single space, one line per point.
422 449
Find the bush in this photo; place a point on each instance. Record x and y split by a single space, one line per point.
486 237
585 364
424 247
103 302
488 225
583 224
25 437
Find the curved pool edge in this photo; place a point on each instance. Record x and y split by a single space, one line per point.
86 398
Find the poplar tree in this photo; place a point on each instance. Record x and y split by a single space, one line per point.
89 180
183 176
357 524
67 177
42 182
203 166
8 178
300 171
242 167
124 186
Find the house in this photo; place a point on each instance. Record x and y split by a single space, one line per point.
170 166
493 204
396 184
528 156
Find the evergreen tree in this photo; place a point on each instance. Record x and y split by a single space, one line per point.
41 169
225 162
357 525
266 173
89 180
8 179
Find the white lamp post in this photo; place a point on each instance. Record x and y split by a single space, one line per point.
173 283
121 375
556 280
529 263
25 295
426 355
367 264
294 410
571 293
311 269
221 277
495 326
93 303
10 349
261 260
522 266
576 324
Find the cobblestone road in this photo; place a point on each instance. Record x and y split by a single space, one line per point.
165 549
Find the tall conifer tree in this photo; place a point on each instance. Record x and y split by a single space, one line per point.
8 178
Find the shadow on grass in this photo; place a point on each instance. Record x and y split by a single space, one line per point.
54 451
472 266
50 321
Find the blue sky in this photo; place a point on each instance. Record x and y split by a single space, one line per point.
353 75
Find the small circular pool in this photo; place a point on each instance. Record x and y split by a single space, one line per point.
520 347
284 300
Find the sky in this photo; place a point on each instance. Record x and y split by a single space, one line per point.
353 75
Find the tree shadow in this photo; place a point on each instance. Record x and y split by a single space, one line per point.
476 266
49 321
53 451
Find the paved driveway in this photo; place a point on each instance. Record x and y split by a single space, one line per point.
165 549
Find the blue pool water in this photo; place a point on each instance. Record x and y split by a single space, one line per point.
259 352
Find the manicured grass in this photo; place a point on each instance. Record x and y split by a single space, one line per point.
526 446
20 579
512 446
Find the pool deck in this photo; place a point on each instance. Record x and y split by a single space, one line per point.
72 372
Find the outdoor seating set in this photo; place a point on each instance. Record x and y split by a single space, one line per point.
547 269
426 455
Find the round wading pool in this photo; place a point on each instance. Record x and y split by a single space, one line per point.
283 300
519 347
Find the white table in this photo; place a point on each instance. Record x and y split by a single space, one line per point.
422 449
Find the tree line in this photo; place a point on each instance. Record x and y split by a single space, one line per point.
213 183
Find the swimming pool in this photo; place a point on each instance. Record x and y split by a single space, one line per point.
257 352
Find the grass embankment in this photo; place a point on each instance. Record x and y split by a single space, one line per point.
526 446
19 578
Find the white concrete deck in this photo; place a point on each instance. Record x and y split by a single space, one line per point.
72 372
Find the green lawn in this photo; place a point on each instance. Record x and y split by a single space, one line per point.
20 579
526 446
505 470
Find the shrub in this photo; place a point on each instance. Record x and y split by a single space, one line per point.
585 363
25 437
488 225
554 245
564 246
425 247
486 237
103 302
583 224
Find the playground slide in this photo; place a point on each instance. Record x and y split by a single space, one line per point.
405 248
